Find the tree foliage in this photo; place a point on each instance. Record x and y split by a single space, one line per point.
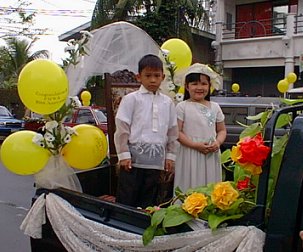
14 55
161 19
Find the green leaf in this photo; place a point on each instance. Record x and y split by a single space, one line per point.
239 173
158 217
178 191
266 116
283 120
214 221
202 189
279 144
175 216
148 234
256 117
251 130
225 156
291 101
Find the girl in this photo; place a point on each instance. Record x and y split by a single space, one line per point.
201 131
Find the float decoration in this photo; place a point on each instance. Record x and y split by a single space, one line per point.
43 88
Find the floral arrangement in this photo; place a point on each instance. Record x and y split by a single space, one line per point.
228 200
54 134
173 82
76 49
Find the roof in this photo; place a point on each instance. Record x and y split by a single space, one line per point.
75 33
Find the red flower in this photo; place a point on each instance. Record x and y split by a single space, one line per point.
245 184
253 150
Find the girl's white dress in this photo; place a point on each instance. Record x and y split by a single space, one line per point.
193 168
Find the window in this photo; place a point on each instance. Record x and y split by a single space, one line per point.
85 116
229 20
279 19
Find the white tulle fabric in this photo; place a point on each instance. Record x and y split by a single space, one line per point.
113 47
57 173
79 234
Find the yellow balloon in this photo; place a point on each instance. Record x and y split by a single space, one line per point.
85 96
235 87
21 156
179 52
212 89
283 86
291 77
86 103
87 149
181 90
43 86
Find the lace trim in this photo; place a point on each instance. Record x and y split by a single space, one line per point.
77 233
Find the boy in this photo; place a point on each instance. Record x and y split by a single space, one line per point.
145 137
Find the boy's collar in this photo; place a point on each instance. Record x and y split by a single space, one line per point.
143 90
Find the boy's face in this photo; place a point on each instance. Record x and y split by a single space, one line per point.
151 78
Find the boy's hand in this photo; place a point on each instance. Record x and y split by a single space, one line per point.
126 164
169 165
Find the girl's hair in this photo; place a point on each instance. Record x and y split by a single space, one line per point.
151 61
192 77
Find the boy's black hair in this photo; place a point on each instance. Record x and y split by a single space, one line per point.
192 77
151 61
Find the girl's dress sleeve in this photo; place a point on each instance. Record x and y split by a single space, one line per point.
180 111
219 114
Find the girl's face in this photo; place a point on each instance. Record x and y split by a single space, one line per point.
198 89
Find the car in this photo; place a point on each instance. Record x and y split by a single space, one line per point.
236 110
8 123
88 115
94 115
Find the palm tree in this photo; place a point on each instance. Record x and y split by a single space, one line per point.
14 55
162 19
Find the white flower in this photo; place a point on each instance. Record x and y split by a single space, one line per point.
49 137
165 52
39 140
69 48
171 86
71 41
67 138
51 125
172 64
86 33
179 97
70 130
49 144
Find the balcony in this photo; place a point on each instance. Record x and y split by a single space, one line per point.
261 43
254 29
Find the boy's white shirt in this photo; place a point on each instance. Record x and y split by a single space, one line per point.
144 117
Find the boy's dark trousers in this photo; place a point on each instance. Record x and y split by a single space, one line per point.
138 187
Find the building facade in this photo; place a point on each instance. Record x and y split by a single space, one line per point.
258 43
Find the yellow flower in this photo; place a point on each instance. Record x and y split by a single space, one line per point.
235 153
224 195
195 203
252 169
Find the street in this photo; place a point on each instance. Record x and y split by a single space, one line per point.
15 199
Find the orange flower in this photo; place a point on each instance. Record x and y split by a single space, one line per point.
224 195
235 153
252 169
195 203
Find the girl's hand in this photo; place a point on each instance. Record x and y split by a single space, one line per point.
203 148
214 146
125 164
